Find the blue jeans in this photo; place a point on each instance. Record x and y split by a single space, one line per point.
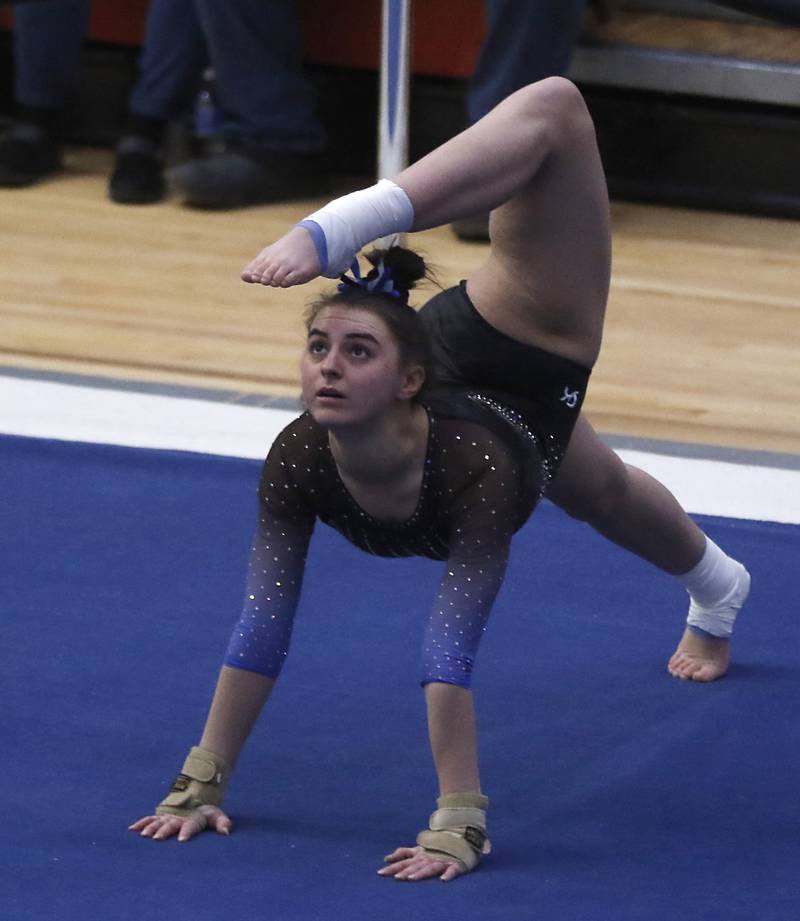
527 40
47 41
253 45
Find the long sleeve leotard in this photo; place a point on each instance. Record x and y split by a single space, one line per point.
483 476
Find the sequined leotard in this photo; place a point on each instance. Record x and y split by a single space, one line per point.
499 425
483 476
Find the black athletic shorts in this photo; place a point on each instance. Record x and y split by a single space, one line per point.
547 390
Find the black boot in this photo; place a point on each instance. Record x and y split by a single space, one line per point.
28 153
138 176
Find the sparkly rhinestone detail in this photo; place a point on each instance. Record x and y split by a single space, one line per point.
548 449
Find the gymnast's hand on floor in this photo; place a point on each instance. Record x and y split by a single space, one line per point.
292 260
414 863
161 827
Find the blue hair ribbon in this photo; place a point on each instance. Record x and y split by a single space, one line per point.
378 281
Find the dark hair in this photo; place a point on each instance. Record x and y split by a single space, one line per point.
404 323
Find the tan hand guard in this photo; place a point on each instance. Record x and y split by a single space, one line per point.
458 829
201 782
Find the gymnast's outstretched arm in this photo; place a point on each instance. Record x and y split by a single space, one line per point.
256 653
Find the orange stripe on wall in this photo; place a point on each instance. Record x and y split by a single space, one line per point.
447 33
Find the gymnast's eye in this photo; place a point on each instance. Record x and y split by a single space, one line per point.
360 351
316 346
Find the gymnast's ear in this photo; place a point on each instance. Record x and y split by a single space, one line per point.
412 382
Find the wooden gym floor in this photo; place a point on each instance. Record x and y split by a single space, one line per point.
701 341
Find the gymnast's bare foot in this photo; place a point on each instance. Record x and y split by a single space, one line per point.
292 260
700 658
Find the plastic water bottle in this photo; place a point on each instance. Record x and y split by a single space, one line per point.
207 117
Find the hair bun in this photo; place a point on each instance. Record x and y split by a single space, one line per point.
407 266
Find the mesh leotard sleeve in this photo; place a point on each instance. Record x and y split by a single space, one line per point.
477 490
483 510
260 639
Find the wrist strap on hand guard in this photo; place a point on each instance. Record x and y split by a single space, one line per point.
201 782
458 829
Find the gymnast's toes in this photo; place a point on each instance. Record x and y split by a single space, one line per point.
292 260
699 658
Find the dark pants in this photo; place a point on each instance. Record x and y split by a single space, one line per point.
255 49
526 41
253 45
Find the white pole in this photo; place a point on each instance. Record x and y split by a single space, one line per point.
394 93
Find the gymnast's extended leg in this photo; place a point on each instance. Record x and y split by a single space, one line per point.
556 225
635 511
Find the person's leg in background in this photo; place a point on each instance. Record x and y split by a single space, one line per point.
171 63
526 41
47 42
272 140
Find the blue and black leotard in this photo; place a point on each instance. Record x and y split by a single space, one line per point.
490 455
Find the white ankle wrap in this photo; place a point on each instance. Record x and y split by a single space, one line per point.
342 227
718 587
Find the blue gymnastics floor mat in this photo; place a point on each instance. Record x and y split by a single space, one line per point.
617 792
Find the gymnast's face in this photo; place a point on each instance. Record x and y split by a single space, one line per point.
351 370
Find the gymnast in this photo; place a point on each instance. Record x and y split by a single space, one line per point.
436 433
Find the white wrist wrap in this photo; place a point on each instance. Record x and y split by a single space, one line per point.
342 227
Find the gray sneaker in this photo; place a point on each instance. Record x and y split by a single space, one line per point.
238 177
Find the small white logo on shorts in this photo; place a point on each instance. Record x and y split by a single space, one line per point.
570 397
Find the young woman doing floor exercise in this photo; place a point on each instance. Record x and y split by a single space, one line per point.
450 471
